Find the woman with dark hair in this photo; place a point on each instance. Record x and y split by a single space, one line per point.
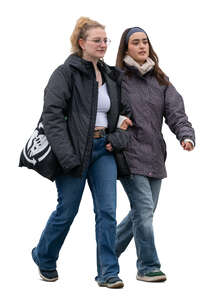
81 109
142 166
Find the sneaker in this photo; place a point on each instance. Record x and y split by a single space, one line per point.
46 275
155 276
112 283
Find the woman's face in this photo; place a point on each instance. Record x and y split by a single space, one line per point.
95 44
138 47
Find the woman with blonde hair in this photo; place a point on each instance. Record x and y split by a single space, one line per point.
81 109
142 166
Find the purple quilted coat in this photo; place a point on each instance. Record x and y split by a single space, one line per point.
151 103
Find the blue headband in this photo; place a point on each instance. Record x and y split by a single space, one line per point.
131 31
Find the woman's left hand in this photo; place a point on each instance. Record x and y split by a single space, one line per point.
187 146
109 147
126 123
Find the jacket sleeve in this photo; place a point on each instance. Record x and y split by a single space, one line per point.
175 116
56 99
119 139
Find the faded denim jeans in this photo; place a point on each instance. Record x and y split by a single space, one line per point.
143 193
101 175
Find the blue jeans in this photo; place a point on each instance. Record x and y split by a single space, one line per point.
143 193
101 175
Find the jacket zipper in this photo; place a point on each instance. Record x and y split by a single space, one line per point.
87 155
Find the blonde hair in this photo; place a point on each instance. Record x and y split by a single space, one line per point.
83 24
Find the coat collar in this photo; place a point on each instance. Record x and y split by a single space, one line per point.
79 63
133 70
143 69
86 67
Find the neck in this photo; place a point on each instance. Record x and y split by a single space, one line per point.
94 60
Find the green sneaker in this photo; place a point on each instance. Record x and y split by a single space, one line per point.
155 276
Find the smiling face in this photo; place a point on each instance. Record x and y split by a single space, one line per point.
95 45
138 47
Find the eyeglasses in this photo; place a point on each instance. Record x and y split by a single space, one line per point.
99 41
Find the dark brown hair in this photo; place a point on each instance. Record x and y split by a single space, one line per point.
123 47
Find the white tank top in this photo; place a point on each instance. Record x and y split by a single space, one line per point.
103 106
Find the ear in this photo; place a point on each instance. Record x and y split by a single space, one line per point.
81 43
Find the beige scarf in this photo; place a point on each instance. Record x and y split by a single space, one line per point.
147 66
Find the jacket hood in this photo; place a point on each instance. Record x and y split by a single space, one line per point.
86 67
79 63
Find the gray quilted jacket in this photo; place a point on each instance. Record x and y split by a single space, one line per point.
151 103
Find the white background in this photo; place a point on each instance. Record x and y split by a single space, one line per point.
34 41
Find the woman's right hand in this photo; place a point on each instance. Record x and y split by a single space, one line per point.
109 147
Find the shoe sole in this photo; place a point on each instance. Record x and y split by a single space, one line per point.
160 278
116 285
47 279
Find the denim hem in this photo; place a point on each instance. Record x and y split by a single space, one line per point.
105 279
36 261
144 273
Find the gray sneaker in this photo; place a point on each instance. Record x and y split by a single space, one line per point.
155 276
